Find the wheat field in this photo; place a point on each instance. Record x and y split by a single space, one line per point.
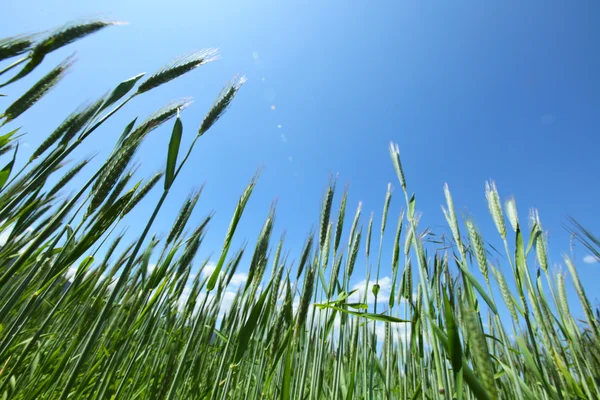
116 328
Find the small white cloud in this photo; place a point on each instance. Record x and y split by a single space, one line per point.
283 138
185 295
208 269
8 231
385 288
590 259
112 285
4 237
6 234
227 301
70 274
279 126
263 78
238 279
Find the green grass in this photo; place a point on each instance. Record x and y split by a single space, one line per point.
119 329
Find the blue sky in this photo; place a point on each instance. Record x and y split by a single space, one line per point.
469 90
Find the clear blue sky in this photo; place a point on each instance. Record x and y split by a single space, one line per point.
469 90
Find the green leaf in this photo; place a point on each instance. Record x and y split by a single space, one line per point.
6 138
34 365
330 323
411 207
478 287
379 368
519 258
476 387
453 339
83 267
250 325
219 334
371 316
155 298
5 172
173 152
126 131
417 392
567 374
101 225
146 261
121 90
159 272
358 306
528 357
283 347
322 278
393 289
287 376
535 232
342 296
527 391
350 393
237 215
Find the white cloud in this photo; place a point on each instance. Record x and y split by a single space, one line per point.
8 231
185 295
385 288
4 237
113 283
227 301
70 274
589 259
6 234
208 269
238 279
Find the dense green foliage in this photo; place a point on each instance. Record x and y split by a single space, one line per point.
117 328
